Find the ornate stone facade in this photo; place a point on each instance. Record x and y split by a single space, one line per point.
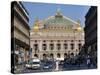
56 36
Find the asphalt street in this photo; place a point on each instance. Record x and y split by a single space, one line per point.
61 68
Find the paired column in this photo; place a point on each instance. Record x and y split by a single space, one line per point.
69 47
47 43
62 46
40 46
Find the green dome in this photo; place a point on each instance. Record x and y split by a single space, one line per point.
59 20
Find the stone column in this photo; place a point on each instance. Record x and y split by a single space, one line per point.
47 43
69 46
76 47
40 48
55 49
62 47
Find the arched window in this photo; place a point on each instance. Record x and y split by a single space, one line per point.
51 55
65 55
72 54
44 55
58 55
36 55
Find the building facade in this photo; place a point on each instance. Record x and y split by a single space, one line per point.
20 40
56 37
91 33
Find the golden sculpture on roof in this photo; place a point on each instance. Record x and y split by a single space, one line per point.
36 25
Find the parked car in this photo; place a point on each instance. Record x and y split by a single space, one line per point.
49 65
36 64
28 65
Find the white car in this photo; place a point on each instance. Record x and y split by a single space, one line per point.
36 63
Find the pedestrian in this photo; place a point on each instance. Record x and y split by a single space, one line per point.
88 61
57 65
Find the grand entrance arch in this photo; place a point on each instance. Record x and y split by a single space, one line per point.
36 55
58 55
51 56
65 55
72 55
44 56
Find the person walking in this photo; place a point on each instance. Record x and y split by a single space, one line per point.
88 61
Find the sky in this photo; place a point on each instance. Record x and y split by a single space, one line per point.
44 10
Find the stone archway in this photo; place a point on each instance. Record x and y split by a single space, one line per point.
58 55
65 55
51 56
44 56
36 55
72 55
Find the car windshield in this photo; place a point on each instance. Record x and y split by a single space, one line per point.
35 62
30 62
49 62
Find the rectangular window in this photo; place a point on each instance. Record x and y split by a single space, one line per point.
51 46
44 46
79 46
72 46
58 46
65 46
35 47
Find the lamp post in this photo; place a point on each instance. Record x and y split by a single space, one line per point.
78 29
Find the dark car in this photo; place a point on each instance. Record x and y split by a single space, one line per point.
49 65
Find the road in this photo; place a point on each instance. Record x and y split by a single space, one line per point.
61 68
